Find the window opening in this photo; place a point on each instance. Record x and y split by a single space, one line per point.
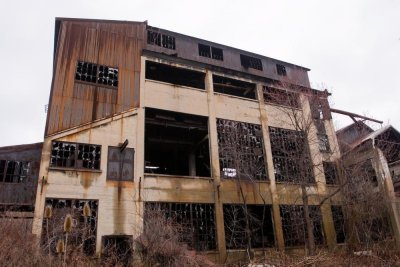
176 144
196 222
291 156
179 76
204 50
14 171
241 152
294 225
100 74
248 222
117 248
339 223
280 97
216 53
234 87
251 62
120 164
210 52
362 172
160 39
281 69
330 172
75 155
323 142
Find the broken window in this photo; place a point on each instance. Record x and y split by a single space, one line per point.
84 219
339 223
246 224
234 87
216 53
280 97
294 224
331 176
374 229
362 172
323 143
169 74
75 155
117 249
176 143
241 150
210 52
100 74
196 221
160 39
120 164
251 62
14 171
320 109
281 69
291 156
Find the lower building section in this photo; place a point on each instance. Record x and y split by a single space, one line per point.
245 227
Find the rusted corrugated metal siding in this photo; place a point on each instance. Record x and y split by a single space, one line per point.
23 193
113 44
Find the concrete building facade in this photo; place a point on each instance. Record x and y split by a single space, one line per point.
142 118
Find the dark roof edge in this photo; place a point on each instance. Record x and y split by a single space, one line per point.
229 47
21 147
101 20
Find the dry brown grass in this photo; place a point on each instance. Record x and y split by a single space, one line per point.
159 245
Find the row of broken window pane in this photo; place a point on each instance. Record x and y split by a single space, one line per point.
75 155
245 224
14 171
100 74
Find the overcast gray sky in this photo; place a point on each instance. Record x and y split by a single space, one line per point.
351 47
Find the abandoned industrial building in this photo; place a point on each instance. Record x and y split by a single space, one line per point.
143 119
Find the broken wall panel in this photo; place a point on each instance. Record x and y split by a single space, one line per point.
117 45
196 222
241 152
248 224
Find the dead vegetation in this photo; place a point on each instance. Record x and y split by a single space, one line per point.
161 244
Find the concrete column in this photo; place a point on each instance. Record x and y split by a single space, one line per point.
41 189
138 197
317 159
215 169
270 168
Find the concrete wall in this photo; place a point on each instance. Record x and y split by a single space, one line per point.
117 211
121 203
